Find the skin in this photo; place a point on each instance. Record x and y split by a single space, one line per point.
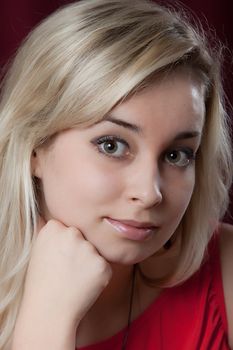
148 177
82 185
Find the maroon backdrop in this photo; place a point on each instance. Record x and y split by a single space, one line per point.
18 17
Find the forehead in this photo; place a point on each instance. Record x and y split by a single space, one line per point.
175 99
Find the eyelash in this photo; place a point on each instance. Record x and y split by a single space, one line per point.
189 156
189 153
113 138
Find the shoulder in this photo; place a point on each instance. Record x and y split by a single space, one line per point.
226 248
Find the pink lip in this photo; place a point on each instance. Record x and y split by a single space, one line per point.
132 230
137 223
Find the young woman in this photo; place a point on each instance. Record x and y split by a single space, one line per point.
115 168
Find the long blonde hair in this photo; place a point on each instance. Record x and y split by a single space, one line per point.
72 69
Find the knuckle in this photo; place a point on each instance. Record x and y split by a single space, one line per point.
53 225
73 232
74 236
103 267
88 247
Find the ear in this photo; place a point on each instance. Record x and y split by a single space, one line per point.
36 169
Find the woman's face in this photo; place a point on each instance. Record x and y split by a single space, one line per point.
138 164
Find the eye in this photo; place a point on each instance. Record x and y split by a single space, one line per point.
112 146
180 157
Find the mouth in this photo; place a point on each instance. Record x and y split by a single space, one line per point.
132 230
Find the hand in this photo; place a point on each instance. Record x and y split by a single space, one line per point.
65 270
65 276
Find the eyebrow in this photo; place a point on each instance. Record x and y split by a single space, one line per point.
137 129
186 135
130 126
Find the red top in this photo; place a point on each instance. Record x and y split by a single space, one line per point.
191 316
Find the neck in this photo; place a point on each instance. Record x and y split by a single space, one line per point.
118 289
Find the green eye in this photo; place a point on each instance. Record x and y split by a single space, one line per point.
112 146
180 157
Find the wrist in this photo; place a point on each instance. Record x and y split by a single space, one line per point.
35 331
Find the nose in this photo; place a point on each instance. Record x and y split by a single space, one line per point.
145 186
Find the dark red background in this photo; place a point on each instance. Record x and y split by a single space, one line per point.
17 17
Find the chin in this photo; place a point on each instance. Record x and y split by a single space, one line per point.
123 258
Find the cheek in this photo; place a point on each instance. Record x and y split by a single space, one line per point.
83 190
96 184
180 190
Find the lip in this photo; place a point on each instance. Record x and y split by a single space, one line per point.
137 223
132 230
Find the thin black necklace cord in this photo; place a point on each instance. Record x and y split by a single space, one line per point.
125 339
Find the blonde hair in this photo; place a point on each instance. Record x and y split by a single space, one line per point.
73 69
